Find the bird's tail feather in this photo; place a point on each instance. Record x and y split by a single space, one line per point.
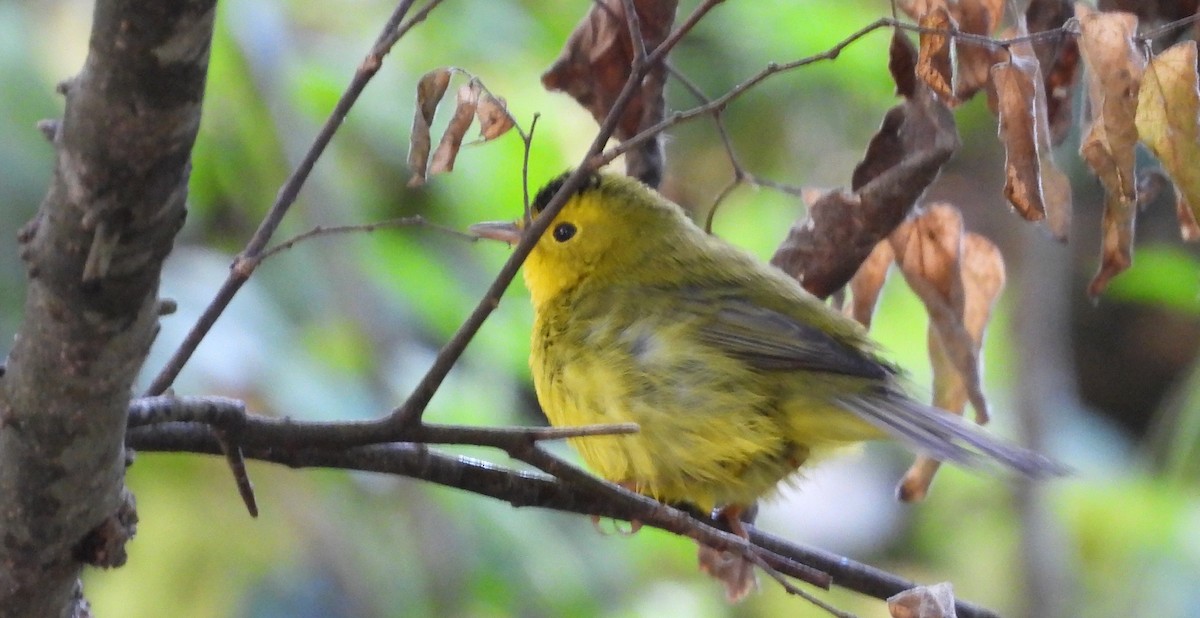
943 435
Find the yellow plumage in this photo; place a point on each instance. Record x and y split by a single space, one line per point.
734 374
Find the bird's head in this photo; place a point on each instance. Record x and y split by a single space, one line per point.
610 227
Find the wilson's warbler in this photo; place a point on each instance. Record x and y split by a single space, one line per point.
734 374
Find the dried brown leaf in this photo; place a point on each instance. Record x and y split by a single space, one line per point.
1168 122
868 282
430 90
1116 247
936 601
935 58
464 113
983 275
494 119
1036 186
1015 82
1114 73
929 251
595 63
916 137
1115 68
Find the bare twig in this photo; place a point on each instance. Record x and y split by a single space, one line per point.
320 230
719 103
1166 28
634 23
795 590
724 193
225 416
527 143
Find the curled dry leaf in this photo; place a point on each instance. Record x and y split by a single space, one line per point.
1058 60
1114 73
1034 185
1168 122
929 251
983 275
936 601
447 150
935 58
430 91
494 119
596 62
868 282
1016 107
825 249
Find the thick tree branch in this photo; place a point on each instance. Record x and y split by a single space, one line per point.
94 254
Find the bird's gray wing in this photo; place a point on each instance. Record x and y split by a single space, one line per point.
771 340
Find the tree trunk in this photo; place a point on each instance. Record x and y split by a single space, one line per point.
94 254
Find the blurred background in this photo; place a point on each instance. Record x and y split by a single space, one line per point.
342 327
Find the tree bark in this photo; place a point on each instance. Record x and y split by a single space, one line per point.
94 254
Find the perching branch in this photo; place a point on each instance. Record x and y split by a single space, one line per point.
183 425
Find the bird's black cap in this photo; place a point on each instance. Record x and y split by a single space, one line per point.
548 192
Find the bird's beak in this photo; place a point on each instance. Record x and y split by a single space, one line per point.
506 231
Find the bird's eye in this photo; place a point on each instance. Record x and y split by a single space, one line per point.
563 232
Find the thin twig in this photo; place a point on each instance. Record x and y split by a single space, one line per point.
226 416
505 437
660 52
634 23
1165 28
724 100
236 461
527 142
795 590
321 230
724 193
740 175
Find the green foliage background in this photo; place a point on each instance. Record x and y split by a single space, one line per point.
341 328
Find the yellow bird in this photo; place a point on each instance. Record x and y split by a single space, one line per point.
735 375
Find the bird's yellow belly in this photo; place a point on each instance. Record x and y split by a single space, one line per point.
703 438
